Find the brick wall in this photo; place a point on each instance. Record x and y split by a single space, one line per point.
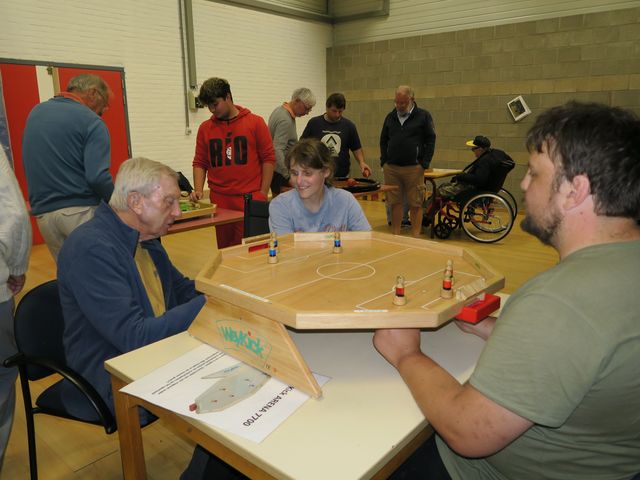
465 79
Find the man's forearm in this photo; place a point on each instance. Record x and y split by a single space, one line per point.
199 176
267 176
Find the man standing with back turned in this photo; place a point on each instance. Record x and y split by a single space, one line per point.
66 153
407 143
555 392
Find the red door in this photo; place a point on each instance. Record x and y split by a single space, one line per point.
21 93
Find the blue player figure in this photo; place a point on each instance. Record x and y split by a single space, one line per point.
337 246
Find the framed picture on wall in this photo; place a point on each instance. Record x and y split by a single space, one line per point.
518 108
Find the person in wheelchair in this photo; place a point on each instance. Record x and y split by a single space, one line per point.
482 173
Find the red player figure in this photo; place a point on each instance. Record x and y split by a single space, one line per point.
399 298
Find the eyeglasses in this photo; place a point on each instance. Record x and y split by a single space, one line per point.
105 100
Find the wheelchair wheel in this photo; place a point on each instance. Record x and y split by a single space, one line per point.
511 200
442 231
449 216
487 218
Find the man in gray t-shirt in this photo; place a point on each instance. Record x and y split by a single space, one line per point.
282 126
555 392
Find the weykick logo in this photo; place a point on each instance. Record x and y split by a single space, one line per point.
238 336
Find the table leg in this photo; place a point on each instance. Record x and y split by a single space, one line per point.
432 218
129 433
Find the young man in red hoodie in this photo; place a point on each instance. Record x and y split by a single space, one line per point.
234 152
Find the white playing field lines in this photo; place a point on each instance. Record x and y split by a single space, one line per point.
360 278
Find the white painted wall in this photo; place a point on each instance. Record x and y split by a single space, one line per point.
263 56
408 18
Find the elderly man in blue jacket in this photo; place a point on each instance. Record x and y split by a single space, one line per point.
118 288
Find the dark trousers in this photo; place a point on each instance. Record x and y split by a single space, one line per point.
424 463
206 466
277 182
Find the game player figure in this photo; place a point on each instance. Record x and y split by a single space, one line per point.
313 205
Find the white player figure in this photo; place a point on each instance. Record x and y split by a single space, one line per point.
449 271
274 239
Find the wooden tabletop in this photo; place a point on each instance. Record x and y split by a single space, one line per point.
221 216
441 172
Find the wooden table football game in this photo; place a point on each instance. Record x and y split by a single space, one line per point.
250 301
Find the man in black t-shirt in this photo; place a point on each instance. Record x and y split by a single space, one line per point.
339 134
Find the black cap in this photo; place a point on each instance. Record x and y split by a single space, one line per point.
479 141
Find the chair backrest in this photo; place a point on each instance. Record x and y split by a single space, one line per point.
499 175
256 217
39 327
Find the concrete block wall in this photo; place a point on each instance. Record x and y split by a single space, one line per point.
465 79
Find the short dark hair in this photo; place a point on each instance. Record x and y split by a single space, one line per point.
336 100
213 88
311 153
598 141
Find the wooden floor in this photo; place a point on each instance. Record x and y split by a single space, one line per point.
68 450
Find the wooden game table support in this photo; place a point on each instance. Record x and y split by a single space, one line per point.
251 302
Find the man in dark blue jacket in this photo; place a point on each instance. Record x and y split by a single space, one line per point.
407 143
118 288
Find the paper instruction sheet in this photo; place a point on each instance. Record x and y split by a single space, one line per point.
210 386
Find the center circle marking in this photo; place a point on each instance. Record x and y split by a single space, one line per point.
346 271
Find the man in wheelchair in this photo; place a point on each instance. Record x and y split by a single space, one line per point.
486 173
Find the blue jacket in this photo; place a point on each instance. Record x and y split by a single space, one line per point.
105 305
410 143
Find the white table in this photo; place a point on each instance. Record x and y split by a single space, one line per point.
365 418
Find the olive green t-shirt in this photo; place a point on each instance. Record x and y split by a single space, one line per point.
565 354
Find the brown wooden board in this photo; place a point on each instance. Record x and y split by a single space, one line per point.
356 185
310 287
196 209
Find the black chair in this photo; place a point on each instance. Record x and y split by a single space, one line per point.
256 217
39 327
